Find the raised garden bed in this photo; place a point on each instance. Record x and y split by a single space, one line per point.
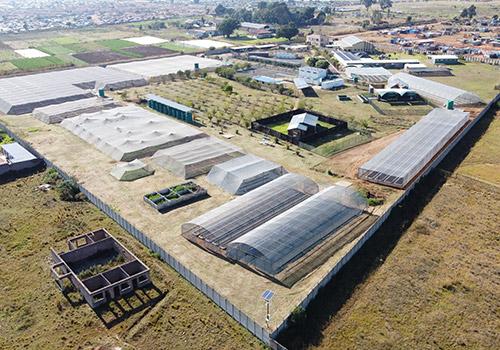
175 196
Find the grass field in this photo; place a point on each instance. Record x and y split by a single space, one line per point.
115 44
281 127
178 47
7 67
34 314
37 63
55 49
244 40
7 55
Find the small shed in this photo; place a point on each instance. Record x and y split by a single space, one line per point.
444 59
302 124
15 158
131 171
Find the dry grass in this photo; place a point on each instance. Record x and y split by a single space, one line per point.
34 314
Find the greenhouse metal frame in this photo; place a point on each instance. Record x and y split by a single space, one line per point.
434 91
273 245
243 174
196 157
215 229
401 161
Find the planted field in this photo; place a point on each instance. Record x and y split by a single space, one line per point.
115 44
206 96
174 46
34 314
55 49
7 55
7 67
148 51
100 57
38 63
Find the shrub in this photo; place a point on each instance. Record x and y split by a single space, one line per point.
51 176
298 316
69 191
375 201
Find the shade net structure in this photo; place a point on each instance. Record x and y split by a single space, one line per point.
131 171
167 65
130 132
196 157
19 95
217 228
243 174
436 92
57 113
269 248
401 161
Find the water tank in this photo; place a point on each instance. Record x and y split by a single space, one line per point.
101 92
449 104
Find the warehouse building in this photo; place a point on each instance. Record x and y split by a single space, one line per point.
57 113
438 93
215 229
422 70
312 75
243 174
19 95
130 132
349 59
197 157
120 273
403 160
368 75
396 95
354 44
170 108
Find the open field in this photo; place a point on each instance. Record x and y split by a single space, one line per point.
34 313
38 63
429 285
444 9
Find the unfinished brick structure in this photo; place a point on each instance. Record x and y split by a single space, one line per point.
99 267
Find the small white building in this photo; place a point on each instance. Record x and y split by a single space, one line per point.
332 84
303 122
444 59
312 75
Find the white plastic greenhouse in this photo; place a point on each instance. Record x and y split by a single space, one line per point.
243 174
131 171
273 245
215 229
128 133
401 161
196 157
57 113
434 91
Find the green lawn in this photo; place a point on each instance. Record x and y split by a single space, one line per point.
245 40
55 49
7 55
174 46
65 40
37 63
85 47
115 44
282 127
6 67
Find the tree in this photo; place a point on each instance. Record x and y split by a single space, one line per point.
220 10
287 31
472 11
385 5
409 19
228 26
367 3
322 63
376 16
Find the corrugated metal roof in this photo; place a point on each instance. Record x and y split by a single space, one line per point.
168 102
300 121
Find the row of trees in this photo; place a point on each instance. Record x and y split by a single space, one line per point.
277 13
385 5
229 25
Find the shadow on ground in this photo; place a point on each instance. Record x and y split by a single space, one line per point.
330 299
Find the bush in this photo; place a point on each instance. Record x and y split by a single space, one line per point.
375 201
298 316
69 191
51 176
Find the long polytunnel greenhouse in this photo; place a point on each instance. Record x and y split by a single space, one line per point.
243 174
434 91
272 246
401 161
215 229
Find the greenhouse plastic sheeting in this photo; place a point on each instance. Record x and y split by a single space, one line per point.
22 94
434 91
128 133
131 171
57 113
220 226
196 157
397 164
283 239
243 174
